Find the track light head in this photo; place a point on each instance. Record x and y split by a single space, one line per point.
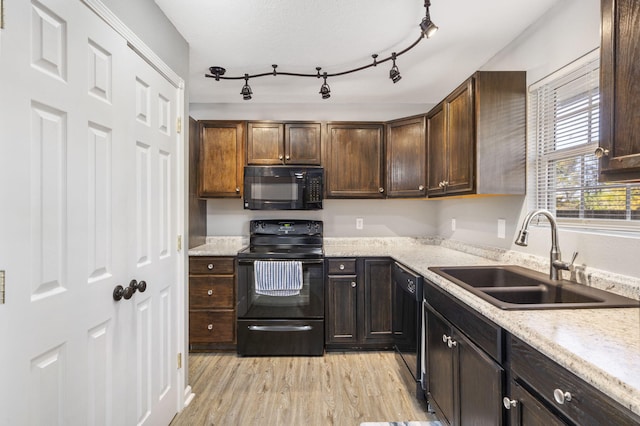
394 72
246 91
325 90
427 26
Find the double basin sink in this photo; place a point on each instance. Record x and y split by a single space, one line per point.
513 287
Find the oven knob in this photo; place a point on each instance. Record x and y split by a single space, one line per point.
210 292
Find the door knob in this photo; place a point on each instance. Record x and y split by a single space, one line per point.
140 286
118 292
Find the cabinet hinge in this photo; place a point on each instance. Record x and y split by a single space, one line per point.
178 122
179 360
179 243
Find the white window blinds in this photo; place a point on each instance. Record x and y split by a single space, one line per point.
563 135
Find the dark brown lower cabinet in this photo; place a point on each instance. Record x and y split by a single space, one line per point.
528 411
558 393
358 303
465 384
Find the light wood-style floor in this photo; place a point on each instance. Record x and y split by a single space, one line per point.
336 389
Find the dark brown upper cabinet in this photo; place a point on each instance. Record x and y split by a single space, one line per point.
221 158
354 160
619 149
272 143
406 158
476 137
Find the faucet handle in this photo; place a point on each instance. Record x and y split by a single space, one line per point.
573 258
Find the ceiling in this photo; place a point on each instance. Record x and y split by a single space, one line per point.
247 36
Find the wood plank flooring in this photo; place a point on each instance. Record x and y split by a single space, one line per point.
340 388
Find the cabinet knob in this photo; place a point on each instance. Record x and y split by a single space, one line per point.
441 184
445 338
237 190
353 284
560 396
451 343
210 292
341 267
210 327
280 157
381 190
287 158
421 188
210 266
601 152
446 183
509 403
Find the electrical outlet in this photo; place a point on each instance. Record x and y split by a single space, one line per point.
359 223
502 226
453 224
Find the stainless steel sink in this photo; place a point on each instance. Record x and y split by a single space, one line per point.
512 287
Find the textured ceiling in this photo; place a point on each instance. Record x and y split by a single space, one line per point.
247 36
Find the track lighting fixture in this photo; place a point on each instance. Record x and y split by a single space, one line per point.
427 29
246 89
427 26
394 72
325 90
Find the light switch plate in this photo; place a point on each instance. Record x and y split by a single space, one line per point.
502 227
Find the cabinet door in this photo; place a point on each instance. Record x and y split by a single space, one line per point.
619 91
406 158
440 367
302 143
528 411
355 161
221 159
460 129
377 309
265 143
436 151
341 309
480 383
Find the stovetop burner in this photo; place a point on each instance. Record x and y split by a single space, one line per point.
284 239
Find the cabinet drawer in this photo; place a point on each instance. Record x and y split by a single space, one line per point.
211 265
341 266
211 292
212 327
587 406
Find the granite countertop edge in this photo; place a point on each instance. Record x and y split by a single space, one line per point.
557 333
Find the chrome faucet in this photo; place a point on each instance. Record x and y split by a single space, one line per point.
555 261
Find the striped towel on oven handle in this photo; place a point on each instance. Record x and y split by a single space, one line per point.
278 277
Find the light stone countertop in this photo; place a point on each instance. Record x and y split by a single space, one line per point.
601 346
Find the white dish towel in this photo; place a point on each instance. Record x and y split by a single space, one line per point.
278 277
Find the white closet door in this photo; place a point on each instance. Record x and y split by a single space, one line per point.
152 253
86 205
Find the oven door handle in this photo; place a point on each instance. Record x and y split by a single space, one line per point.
304 261
280 328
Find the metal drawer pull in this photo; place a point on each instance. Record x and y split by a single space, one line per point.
509 403
210 266
210 327
210 292
561 396
280 328
341 267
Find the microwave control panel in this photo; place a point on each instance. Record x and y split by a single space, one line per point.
314 189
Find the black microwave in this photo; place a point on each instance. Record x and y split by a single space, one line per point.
283 187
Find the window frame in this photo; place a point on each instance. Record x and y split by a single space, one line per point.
535 153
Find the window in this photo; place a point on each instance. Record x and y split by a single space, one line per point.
563 135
